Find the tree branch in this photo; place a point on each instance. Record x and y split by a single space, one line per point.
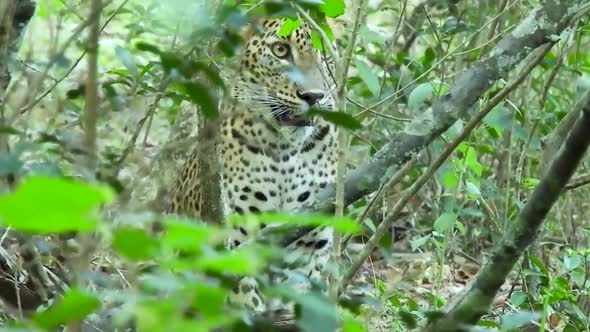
578 182
395 212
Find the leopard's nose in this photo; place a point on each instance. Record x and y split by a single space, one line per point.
311 97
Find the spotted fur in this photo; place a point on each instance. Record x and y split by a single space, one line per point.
272 158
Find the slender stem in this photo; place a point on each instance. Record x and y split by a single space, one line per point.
91 106
92 100
343 139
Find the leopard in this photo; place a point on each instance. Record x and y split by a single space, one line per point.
273 157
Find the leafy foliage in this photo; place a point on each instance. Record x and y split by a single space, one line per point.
59 206
75 305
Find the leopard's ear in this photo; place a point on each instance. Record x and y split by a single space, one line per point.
249 29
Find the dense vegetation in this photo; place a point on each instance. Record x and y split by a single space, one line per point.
465 124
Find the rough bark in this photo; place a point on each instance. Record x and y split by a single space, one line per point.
476 302
14 17
210 171
544 22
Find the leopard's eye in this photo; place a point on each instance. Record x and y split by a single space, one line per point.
280 50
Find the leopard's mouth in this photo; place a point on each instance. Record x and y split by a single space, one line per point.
289 119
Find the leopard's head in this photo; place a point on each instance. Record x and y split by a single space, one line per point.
282 77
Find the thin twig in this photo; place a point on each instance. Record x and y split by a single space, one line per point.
390 44
343 140
347 56
149 125
91 106
578 182
553 74
148 114
496 20
91 97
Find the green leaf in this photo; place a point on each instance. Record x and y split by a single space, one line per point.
9 131
473 189
582 314
135 244
450 179
368 77
340 224
428 57
209 299
419 242
147 47
316 38
75 305
460 227
519 319
333 8
445 222
518 298
199 94
60 205
315 311
571 262
289 26
237 262
162 315
500 118
470 158
172 62
340 119
409 319
352 325
49 8
211 74
530 183
127 59
9 164
486 323
538 263
189 236
529 272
